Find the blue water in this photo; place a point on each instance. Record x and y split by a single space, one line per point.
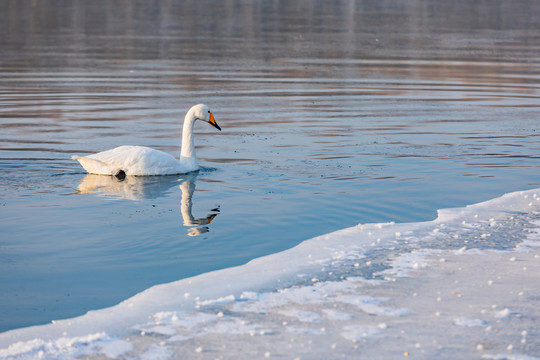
328 121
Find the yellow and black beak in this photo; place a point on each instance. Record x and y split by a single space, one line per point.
213 122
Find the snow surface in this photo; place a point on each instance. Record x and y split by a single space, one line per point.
463 286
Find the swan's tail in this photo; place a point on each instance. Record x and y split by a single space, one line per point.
98 167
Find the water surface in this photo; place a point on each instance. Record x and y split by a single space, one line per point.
332 115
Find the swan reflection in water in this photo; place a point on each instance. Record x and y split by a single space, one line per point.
151 187
197 226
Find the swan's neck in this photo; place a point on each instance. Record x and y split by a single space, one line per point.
188 157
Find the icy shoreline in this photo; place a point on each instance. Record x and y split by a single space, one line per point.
461 286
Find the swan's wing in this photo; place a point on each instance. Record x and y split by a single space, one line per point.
94 166
109 162
133 160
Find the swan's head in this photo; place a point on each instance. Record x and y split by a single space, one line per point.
202 112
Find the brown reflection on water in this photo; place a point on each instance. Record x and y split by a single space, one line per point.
76 32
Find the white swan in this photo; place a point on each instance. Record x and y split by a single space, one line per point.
140 160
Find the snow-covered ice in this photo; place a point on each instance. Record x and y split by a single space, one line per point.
463 286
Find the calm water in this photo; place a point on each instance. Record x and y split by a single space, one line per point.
333 114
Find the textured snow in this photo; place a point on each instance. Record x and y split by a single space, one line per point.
463 321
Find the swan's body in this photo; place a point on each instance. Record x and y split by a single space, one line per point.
141 161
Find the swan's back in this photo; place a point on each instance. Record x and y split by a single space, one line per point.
133 160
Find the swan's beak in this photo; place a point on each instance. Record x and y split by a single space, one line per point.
213 122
